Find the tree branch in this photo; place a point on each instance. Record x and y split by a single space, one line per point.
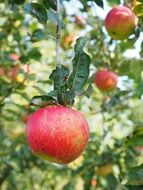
58 36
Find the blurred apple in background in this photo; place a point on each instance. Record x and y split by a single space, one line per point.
14 57
13 73
2 71
106 80
80 21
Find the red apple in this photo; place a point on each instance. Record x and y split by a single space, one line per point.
13 73
93 182
14 57
57 133
120 22
106 80
70 39
25 67
139 148
2 72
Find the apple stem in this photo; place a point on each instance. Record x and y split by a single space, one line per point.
58 36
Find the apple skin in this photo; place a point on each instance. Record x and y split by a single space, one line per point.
120 22
106 80
57 133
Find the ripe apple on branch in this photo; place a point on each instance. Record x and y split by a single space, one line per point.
120 22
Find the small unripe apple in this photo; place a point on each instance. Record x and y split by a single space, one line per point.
120 22
106 80
57 133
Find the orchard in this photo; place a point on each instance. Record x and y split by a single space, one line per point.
71 95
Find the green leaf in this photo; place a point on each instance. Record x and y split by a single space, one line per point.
70 185
34 54
59 77
99 3
67 98
129 187
135 176
38 35
88 91
49 4
131 68
138 10
136 140
39 89
112 182
37 11
81 63
17 2
139 87
24 96
53 93
54 18
114 2
42 101
141 51
129 44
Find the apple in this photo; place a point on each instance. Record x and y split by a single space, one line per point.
106 80
57 133
14 57
2 72
120 22
13 73
25 67
93 182
139 148
70 39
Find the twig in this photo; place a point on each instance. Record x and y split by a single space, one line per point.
58 36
